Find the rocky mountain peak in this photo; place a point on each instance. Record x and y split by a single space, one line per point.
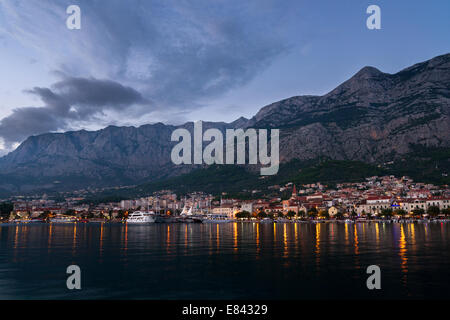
239 123
367 73
368 81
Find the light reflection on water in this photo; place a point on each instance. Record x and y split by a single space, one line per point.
225 261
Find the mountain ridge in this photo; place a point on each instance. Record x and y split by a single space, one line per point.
372 117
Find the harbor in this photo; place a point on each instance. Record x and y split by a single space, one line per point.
238 260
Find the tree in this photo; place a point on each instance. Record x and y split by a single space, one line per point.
70 212
386 212
446 211
262 214
5 209
302 213
121 214
433 211
312 212
291 214
243 215
418 212
400 212
324 214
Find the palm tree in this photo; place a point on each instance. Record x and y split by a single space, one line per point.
386 213
445 212
312 212
243 215
262 214
400 212
291 214
433 211
418 212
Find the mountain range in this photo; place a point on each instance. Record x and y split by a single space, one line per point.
373 117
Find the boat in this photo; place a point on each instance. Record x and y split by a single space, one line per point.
217 218
21 220
95 220
190 219
61 219
141 217
186 212
266 220
187 216
165 219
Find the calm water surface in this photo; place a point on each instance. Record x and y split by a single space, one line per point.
225 261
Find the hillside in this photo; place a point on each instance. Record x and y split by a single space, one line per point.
373 118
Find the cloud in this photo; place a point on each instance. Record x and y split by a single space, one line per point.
27 121
97 93
177 53
67 102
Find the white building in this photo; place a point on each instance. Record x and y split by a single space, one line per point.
247 206
228 210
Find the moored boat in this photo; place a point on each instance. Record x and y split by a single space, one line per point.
266 220
63 219
141 217
217 218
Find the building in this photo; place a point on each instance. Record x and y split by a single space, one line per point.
226 209
247 206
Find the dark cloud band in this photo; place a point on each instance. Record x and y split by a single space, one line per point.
71 99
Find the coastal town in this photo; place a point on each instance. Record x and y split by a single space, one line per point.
385 197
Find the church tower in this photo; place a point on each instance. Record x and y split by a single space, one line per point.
294 193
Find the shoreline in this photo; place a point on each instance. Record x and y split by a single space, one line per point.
348 221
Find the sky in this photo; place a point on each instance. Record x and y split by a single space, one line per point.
144 61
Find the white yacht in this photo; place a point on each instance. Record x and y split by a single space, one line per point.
217 218
63 219
141 217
